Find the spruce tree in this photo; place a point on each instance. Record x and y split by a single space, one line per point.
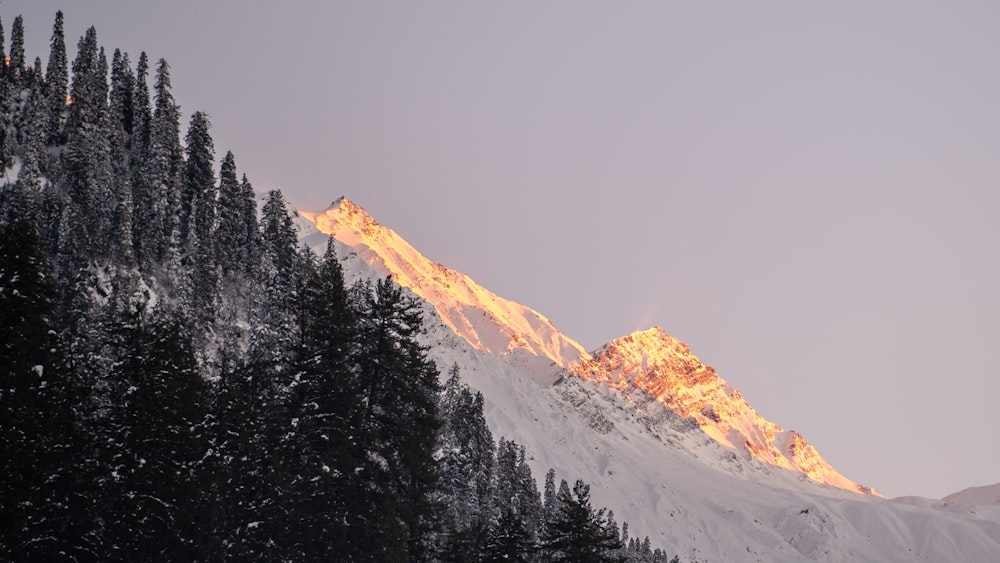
391 508
576 532
322 451
198 210
118 126
57 82
237 234
17 61
159 184
466 461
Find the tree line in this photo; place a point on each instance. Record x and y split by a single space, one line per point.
182 381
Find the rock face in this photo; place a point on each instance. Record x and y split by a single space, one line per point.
664 368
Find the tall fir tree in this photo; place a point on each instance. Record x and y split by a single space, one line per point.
16 66
322 450
198 218
392 509
466 462
576 532
237 236
57 82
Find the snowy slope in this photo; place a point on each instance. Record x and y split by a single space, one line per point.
977 496
670 475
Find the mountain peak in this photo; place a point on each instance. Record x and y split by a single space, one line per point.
487 321
663 367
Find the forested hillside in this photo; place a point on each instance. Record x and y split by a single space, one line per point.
182 381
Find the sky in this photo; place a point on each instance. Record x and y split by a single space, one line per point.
806 193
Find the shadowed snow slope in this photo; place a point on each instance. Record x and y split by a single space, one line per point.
977 496
663 440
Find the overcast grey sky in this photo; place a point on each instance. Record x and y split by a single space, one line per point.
806 193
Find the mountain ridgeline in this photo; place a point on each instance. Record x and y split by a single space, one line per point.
182 380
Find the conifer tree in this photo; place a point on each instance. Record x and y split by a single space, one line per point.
57 82
576 532
17 60
86 88
142 112
326 396
199 204
118 126
237 235
510 540
391 508
3 51
160 180
466 460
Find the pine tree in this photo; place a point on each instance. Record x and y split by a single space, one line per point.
237 237
118 127
391 509
322 451
159 183
57 83
466 459
17 61
198 210
510 540
576 532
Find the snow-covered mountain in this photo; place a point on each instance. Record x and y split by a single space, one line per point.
651 362
987 495
665 442
664 368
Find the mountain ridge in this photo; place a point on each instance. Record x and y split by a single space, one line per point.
531 342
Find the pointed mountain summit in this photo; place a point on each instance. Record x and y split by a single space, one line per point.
664 368
487 321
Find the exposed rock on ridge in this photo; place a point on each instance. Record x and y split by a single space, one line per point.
664 368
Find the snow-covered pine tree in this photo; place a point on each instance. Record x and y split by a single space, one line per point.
16 66
390 502
320 452
466 462
576 532
57 83
119 118
162 178
199 205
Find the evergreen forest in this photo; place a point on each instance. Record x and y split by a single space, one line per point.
180 380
